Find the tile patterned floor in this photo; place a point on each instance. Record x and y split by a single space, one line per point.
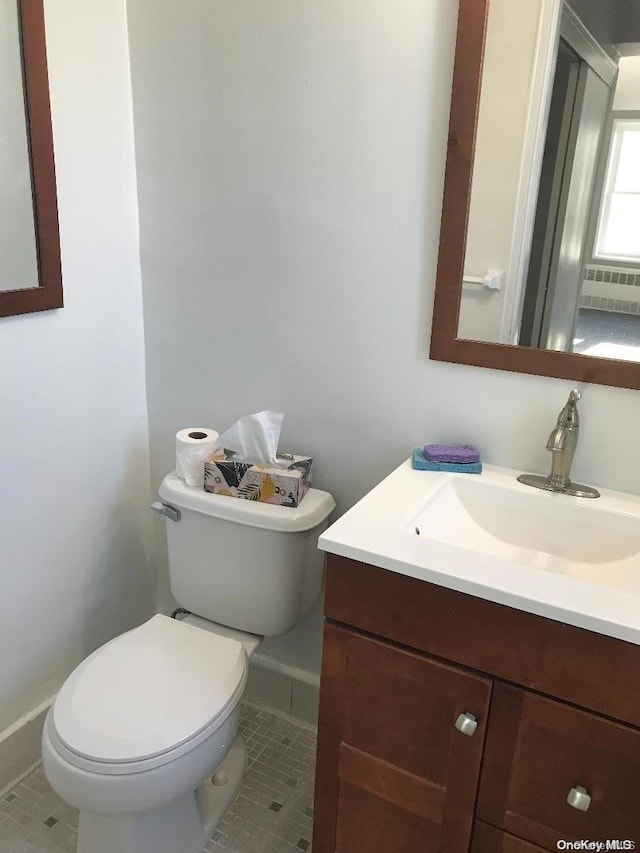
272 814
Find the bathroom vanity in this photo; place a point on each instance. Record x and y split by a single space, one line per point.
465 706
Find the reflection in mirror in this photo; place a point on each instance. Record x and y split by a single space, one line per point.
552 255
30 274
19 267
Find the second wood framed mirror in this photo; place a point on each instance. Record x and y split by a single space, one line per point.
540 179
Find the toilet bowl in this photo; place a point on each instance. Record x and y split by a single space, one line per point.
137 732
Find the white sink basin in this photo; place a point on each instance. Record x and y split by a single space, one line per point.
566 558
526 525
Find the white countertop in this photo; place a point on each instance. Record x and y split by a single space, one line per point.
600 596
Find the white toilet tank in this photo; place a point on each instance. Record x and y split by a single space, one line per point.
250 565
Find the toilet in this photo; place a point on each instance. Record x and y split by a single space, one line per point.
142 737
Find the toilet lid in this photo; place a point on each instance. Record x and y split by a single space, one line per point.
148 691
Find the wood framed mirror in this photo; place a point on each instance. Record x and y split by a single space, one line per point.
594 62
30 275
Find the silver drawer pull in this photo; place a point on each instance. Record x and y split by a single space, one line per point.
579 799
467 724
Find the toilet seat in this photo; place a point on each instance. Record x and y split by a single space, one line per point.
147 697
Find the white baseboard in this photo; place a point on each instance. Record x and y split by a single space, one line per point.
20 746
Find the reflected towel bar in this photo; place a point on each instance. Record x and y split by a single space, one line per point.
492 279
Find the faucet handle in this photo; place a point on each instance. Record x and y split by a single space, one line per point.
569 416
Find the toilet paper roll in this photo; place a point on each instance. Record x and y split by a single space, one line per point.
193 445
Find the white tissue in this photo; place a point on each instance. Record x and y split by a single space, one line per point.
254 437
193 445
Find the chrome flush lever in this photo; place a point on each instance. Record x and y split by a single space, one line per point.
166 509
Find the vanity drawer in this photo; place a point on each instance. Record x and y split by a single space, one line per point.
488 839
538 751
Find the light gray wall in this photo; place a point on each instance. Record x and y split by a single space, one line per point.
75 555
290 160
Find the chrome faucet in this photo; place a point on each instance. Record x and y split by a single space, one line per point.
562 445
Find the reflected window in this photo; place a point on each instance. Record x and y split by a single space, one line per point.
618 237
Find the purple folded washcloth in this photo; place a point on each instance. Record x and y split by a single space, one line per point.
463 453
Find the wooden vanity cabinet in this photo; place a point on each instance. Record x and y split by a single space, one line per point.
450 724
407 777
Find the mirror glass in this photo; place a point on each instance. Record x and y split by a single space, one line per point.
552 257
19 269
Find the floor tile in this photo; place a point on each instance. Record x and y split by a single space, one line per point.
272 814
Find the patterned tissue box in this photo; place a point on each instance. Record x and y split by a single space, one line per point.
226 474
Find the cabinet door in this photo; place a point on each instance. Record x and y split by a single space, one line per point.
394 773
554 774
